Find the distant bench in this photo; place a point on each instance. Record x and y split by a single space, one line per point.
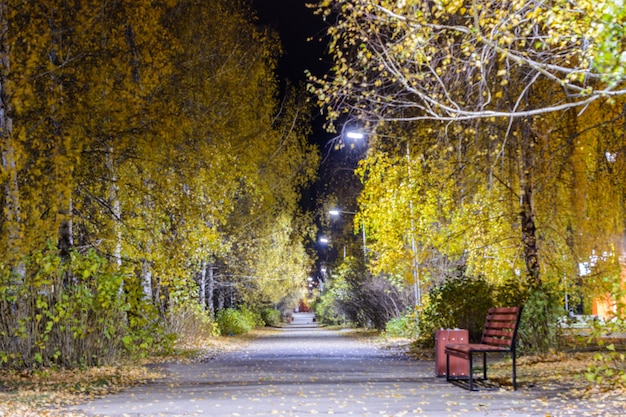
499 334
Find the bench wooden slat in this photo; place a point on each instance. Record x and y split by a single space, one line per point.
507 333
500 324
503 310
499 334
504 315
476 347
500 319
496 341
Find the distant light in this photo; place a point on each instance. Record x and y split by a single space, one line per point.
336 212
324 239
610 156
355 135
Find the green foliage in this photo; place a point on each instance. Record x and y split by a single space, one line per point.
77 316
356 296
233 321
460 302
146 333
327 308
271 317
189 323
157 139
403 326
609 367
539 331
463 302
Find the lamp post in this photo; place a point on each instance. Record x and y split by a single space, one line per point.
358 135
416 277
336 212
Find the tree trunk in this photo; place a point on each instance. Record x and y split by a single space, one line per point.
220 300
66 238
12 211
13 217
202 285
210 288
116 209
146 280
527 213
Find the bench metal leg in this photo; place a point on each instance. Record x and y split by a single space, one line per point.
485 366
471 371
514 372
447 368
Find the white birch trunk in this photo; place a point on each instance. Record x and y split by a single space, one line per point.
116 209
146 280
202 298
151 289
12 209
210 288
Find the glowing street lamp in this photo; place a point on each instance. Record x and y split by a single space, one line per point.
354 135
335 212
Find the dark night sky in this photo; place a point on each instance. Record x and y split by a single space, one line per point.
301 33
302 36
295 23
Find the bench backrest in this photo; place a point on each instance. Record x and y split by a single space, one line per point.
501 327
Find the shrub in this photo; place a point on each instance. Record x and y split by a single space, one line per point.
271 317
608 369
460 302
356 296
327 309
538 331
62 312
232 321
464 301
190 323
403 326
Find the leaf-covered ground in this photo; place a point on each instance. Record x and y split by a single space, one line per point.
41 392
560 375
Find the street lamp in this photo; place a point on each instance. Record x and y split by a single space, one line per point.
355 135
335 212
326 241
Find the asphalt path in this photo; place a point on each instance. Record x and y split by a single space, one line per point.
303 370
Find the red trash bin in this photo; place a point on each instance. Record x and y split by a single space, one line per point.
458 366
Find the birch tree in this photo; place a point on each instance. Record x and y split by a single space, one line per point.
504 62
452 59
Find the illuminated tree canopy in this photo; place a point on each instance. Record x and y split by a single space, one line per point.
145 159
454 59
510 113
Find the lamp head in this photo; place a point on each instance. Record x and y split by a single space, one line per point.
355 135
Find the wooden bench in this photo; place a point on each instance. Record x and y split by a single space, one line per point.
499 334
